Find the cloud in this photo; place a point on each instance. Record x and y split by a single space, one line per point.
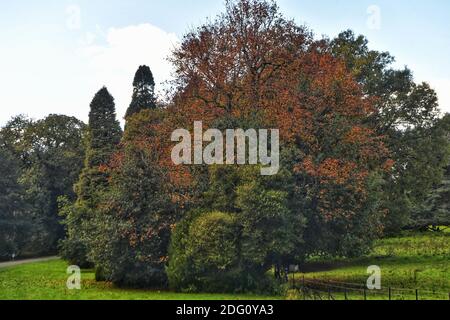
114 63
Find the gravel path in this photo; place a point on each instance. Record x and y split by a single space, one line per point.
19 262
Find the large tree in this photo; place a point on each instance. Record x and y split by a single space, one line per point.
406 114
143 92
251 68
434 211
15 224
50 155
104 135
261 231
137 213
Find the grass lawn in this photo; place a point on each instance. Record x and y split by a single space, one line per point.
412 261
47 281
409 262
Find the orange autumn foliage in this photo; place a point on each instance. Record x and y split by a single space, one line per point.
253 64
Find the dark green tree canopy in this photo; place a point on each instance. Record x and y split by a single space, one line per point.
143 91
104 129
143 77
45 159
407 116
104 135
435 211
14 223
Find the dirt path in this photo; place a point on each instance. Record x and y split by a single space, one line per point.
19 262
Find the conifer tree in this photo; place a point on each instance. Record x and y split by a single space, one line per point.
104 135
143 91
137 212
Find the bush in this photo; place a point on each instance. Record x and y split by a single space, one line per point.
204 253
128 269
74 252
73 249
205 256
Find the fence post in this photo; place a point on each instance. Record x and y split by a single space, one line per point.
345 294
417 294
329 293
390 294
365 294
304 288
293 280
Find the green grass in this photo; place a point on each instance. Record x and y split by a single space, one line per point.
409 262
47 281
412 261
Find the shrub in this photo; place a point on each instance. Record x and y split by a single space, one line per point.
205 256
74 252
204 253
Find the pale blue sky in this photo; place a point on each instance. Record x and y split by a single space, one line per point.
54 54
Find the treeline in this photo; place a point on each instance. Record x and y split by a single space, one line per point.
364 152
39 162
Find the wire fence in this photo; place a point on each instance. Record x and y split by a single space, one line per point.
316 289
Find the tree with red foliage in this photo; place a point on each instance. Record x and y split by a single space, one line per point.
252 64
252 68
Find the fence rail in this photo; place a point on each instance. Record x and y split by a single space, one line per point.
314 289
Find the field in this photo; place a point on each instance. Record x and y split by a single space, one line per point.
409 262
413 261
47 281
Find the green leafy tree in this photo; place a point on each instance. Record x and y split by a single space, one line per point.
205 254
15 224
50 154
406 114
58 154
260 230
143 92
434 212
271 231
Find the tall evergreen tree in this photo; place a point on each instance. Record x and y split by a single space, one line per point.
143 91
104 129
136 216
104 135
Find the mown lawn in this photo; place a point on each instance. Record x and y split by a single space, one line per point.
47 281
409 262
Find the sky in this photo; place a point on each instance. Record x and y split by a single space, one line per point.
56 54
